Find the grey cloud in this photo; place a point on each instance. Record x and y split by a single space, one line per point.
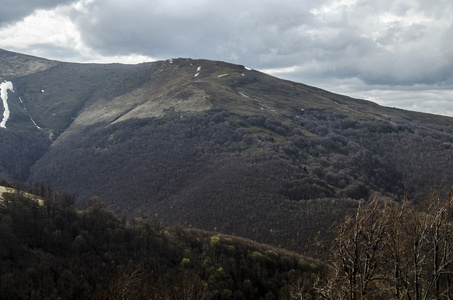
15 10
249 31
323 39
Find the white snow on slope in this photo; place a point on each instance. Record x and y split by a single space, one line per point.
4 87
29 115
198 72
244 95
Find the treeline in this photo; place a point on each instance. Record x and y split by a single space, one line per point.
51 250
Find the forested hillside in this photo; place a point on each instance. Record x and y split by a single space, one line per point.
254 176
384 250
214 146
52 250
18 152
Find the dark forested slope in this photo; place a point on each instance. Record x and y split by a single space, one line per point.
252 176
51 250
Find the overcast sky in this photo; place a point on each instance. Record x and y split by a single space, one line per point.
398 53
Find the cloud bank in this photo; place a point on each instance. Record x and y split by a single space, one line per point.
396 53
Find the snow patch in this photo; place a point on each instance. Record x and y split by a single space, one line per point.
248 69
4 87
244 95
29 115
223 75
198 72
42 91
34 123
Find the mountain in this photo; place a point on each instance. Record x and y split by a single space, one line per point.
213 145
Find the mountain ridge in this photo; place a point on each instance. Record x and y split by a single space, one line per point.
217 146
190 84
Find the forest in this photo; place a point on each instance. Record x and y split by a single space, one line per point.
276 181
386 249
52 250
19 151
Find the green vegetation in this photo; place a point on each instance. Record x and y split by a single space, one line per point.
53 250
9 191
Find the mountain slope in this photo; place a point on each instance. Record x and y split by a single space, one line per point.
51 250
15 65
220 147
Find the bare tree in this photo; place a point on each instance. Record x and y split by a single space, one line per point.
394 251
357 252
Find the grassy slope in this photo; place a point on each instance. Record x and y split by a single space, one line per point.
89 94
9 190
15 65
251 92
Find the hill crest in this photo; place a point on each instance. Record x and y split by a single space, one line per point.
58 95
